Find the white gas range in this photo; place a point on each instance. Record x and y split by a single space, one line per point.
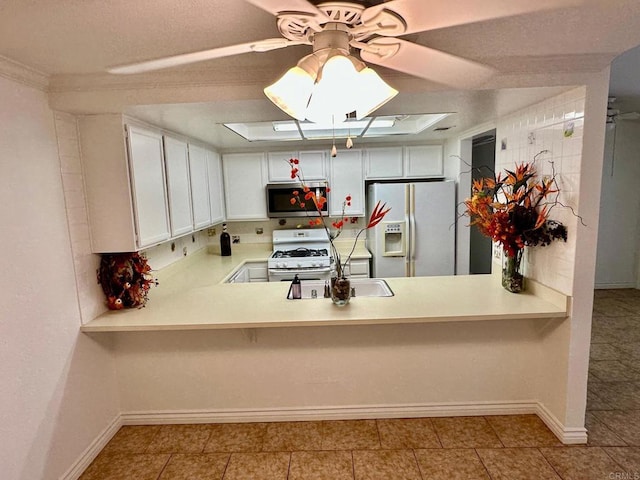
302 252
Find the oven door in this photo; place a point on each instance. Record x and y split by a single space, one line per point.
286 274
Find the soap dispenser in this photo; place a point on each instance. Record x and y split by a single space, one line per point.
295 290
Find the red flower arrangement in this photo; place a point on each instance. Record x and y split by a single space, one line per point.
125 279
514 212
318 202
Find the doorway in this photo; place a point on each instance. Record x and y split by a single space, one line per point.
483 161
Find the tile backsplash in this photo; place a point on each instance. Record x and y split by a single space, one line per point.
553 130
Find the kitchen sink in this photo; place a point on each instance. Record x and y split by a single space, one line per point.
362 287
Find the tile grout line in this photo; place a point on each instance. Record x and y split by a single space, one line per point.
164 467
226 466
475 450
415 458
549 463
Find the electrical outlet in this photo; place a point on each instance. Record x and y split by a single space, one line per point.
235 238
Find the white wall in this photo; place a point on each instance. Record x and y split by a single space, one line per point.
58 386
619 230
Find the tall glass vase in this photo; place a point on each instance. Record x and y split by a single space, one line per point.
340 291
513 271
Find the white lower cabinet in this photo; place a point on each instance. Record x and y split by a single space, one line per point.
358 268
250 272
257 271
244 186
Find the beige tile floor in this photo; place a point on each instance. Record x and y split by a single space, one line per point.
466 448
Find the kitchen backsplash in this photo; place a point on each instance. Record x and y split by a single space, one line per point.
167 253
554 126
248 231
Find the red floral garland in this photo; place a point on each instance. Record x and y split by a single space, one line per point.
125 279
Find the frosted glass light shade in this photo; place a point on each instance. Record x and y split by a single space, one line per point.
373 92
334 95
327 93
291 92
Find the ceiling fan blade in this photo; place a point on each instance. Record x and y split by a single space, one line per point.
278 7
419 18
177 60
425 62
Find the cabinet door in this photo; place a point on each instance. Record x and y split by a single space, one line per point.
199 187
216 194
384 163
313 164
176 155
257 271
358 268
278 166
423 161
244 186
347 178
146 165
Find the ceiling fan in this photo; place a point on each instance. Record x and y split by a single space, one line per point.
374 31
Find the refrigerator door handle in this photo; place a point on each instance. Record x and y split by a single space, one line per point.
412 231
407 236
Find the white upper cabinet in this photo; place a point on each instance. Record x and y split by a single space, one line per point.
312 165
178 184
124 179
216 189
278 166
146 164
389 163
199 187
423 161
244 186
384 163
347 178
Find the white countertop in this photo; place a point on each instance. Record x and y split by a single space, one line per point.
190 296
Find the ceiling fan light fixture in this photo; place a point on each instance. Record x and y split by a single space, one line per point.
373 92
335 93
292 91
328 85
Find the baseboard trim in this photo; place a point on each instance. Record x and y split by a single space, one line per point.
93 450
568 436
612 286
355 412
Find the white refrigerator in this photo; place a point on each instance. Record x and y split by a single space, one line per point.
417 237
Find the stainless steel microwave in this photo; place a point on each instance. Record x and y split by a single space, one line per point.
279 197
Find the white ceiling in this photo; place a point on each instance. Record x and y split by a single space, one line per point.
75 41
